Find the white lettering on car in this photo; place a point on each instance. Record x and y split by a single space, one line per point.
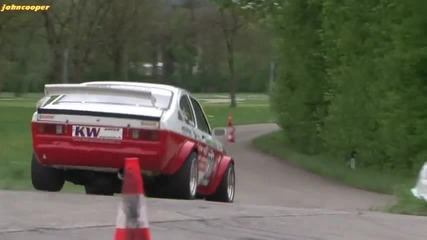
45 116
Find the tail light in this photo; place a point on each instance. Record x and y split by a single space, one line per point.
48 128
144 134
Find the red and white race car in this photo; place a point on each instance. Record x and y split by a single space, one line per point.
82 133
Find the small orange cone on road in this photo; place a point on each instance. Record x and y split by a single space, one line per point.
231 129
132 220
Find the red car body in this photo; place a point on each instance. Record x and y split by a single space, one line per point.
89 140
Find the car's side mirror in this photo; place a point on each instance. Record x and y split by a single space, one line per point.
219 132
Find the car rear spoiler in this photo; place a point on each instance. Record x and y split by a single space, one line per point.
63 89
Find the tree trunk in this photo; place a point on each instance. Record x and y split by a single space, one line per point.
117 61
77 71
125 64
154 60
120 62
55 48
232 79
57 66
229 34
168 60
192 44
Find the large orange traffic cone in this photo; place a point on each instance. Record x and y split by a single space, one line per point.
132 220
231 129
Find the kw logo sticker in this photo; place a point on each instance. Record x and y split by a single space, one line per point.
105 133
86 132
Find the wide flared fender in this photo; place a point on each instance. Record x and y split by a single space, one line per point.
176 163
217 177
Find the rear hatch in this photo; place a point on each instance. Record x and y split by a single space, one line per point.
96 112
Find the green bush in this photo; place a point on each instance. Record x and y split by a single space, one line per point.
353 77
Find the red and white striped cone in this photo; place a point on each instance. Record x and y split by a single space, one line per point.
132 220
231 138
231 130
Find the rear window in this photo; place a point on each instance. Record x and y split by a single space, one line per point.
162 99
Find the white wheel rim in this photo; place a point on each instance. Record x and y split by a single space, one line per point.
193 179
230 184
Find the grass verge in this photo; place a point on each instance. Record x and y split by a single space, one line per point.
406 203
217 114
15 136
381 182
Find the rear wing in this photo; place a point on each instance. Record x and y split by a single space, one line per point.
64 89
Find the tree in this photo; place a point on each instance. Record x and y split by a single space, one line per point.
97 40
230 21
74 25
19 51
235 15
123 26
353 78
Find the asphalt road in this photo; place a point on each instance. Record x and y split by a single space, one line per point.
273 201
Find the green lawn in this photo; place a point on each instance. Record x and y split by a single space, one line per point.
406 203
395 183
243 114
15 141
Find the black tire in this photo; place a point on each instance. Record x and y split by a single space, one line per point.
46 178
180 183
223 194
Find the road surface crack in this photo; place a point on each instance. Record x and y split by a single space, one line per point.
193 218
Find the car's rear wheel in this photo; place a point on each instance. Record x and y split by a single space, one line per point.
46 178
227 188
183 184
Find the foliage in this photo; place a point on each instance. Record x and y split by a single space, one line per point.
352 77
79 41
298 94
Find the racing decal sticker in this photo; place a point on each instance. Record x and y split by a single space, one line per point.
210 165
45 117
207 163
202 150
150 124
106 133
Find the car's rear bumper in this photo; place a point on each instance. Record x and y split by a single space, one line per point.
66 152
69 153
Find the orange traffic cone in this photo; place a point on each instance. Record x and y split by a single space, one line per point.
132 220
231 129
